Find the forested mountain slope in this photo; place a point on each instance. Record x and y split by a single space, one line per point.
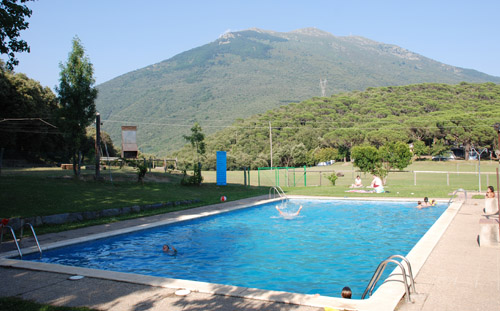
248 72
433 116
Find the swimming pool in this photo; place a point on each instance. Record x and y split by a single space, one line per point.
331 244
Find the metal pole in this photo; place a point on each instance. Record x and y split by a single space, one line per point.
271 143
97 146
498 201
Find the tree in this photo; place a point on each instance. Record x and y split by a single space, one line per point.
420 149
77 96
197 140
394 155
12 21
366 158
381 161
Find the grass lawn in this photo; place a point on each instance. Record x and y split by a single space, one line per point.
48 191
39 192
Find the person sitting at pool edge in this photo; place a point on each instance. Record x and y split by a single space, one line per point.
490 203
169 250
346 292
357 183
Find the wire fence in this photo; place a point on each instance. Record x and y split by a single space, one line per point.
318 177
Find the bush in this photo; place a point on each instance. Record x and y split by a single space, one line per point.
332 178
196 179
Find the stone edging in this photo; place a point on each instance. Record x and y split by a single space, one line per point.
58 219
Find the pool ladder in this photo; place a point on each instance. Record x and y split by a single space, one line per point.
277 189
454 194
15 238
381 268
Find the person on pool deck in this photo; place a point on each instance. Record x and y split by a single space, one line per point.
169 250
490 203
490 192
377 184
346 292
357 183
287 214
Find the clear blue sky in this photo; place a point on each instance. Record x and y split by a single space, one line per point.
124 35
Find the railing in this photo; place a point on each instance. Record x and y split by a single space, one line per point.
13 236
34 236
380 270
21 236
454 194
277 189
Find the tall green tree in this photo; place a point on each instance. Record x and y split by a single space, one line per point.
77 96
12 21
394 155
366 158
197 140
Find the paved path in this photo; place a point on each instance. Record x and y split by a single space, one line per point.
458 275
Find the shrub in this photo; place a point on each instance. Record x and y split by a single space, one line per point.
332 178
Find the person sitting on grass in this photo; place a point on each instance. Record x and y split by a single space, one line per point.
357 183
377 184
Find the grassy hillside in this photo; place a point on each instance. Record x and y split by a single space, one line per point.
432 116
249 72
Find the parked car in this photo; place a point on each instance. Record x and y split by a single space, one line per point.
444 157
326 163
472 155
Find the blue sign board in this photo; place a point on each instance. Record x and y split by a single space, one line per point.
221 168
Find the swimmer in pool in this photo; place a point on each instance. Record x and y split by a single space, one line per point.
169 250
288 215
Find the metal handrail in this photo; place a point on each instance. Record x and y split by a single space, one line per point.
277 189
34 236
14 236
380 269
454 193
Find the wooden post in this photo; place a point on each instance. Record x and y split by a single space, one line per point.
97 146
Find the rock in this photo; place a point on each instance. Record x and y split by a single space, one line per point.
110 212
90 215
55 219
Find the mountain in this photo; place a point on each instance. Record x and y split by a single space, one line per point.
248 72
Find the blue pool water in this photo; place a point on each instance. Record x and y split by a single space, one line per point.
331 244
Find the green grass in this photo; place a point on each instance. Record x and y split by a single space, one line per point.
37 193
17 304
48 191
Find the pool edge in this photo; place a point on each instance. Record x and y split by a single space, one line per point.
385 298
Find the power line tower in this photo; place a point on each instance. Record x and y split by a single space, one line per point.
322 84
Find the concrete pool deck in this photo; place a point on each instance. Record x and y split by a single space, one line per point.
458 275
